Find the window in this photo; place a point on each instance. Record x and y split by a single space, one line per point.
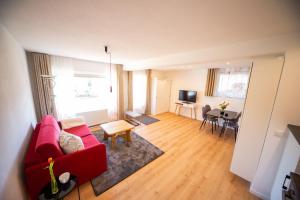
88 85
90 92
232 82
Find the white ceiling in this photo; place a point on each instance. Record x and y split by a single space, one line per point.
143 33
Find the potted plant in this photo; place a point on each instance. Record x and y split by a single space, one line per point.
223 107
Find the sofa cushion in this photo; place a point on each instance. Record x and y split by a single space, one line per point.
47 141
69 142
89 141
80 131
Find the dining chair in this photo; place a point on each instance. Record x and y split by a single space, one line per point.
206 117
234 123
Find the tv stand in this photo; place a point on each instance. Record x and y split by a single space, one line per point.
189 105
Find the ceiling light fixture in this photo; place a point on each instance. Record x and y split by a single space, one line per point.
109 53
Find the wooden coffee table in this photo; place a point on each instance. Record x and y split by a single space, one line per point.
115 129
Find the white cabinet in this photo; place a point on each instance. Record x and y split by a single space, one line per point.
264 80
288 163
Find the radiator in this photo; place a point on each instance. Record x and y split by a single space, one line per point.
94 117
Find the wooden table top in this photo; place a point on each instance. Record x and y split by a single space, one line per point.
116 127
217 113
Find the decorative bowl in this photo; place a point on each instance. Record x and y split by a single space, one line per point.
64 178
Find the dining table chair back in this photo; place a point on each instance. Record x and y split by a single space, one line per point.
206 117
205 110
236 120
234 123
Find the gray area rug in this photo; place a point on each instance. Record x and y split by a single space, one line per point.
145 119
123 160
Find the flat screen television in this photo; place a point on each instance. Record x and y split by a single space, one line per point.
188 96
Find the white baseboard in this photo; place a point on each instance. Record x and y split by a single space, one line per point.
259 194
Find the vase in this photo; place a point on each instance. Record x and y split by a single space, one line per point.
222 112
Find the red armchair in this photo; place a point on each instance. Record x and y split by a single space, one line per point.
85 164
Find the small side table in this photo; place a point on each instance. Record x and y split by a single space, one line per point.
63 190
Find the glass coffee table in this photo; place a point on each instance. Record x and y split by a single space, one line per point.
63 190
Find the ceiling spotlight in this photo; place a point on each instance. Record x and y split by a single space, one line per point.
227 63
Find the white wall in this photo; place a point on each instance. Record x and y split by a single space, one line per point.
195 79
286 111
17 116
90 67
162 75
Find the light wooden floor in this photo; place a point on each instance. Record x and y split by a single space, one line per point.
195 166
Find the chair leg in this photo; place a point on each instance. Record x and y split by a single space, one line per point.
223 129
203 122
212 127
221 132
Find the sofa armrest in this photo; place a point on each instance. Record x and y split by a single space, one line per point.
85 164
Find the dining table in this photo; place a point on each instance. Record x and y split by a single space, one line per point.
227 116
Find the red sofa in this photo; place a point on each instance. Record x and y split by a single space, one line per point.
85 164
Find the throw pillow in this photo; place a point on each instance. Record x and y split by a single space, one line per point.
69 142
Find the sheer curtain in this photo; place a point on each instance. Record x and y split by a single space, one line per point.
112 103
148 92
64 89
62 69
44 82
120 91
139 86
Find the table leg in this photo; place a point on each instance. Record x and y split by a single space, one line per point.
195 113
113 141
128 136
191 113
105 136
